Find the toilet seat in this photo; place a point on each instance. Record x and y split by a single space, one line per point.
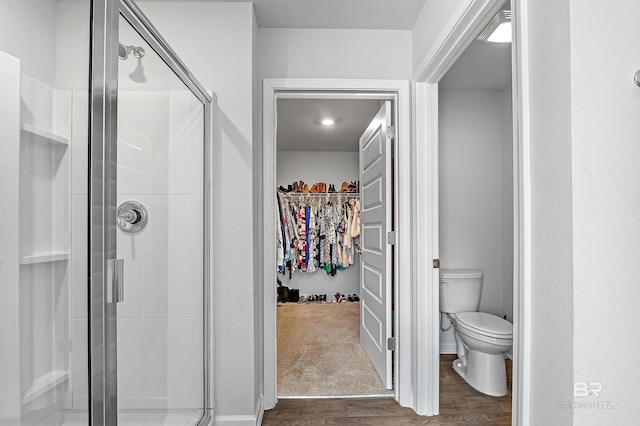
482 324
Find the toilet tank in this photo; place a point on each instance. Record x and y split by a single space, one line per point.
460 290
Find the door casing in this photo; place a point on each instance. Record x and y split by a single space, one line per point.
425 95
398 92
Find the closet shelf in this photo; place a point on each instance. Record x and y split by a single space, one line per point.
36 133
52 256
321 194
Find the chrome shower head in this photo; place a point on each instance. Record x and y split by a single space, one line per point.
124 51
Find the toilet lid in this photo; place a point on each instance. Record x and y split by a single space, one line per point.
485 323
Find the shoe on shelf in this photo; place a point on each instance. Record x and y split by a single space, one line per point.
295 187
332 189
345 187
314 188
305 189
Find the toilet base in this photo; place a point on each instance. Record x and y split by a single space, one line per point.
486 373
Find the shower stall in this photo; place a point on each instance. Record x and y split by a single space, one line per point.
104 220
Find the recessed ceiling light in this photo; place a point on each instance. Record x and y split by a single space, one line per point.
327 122
502 34
498 30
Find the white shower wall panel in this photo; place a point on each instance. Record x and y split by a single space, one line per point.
160 161
160 158
160 279
147 162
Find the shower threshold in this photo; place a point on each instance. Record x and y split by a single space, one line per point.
128 418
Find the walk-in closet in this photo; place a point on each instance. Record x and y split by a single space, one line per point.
319 246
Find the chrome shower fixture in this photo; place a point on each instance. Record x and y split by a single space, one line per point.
124 51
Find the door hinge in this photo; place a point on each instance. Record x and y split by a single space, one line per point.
391 237
436 263
391 132
391 343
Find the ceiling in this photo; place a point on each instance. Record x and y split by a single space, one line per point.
299 127
334 14
482 66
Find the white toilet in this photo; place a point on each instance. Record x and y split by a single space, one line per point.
482 339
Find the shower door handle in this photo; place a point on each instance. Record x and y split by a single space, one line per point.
115 280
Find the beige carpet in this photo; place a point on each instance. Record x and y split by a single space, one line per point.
319 352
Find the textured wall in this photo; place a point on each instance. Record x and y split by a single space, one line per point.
606 204
215 40
472 227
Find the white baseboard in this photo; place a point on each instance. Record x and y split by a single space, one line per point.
448 348
236 421
244 420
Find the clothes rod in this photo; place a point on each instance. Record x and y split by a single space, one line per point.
319 194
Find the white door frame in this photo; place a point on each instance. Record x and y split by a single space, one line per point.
399 91
436 63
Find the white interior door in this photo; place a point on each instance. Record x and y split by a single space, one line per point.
375 219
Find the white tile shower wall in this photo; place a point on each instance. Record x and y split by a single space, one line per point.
160 165
144 166
44 171
79 254
45 295
9 236
160 255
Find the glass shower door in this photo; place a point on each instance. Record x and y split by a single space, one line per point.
44 109
160 238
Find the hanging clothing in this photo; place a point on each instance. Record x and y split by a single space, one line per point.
315 234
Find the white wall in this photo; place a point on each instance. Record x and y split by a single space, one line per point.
584 127
507 203
258 267
215 41
605 114
304 53
471 169
312 167
436 19
551 213
30 34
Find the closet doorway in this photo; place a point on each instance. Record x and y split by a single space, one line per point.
335 331
329 331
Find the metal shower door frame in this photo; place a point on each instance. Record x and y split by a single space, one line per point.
103 389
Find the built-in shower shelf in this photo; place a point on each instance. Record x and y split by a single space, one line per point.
44 384
36 133
53 256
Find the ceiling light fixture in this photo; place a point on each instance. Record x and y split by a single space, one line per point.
327 122
498 30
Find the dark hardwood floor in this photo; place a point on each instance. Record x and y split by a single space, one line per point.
460 404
